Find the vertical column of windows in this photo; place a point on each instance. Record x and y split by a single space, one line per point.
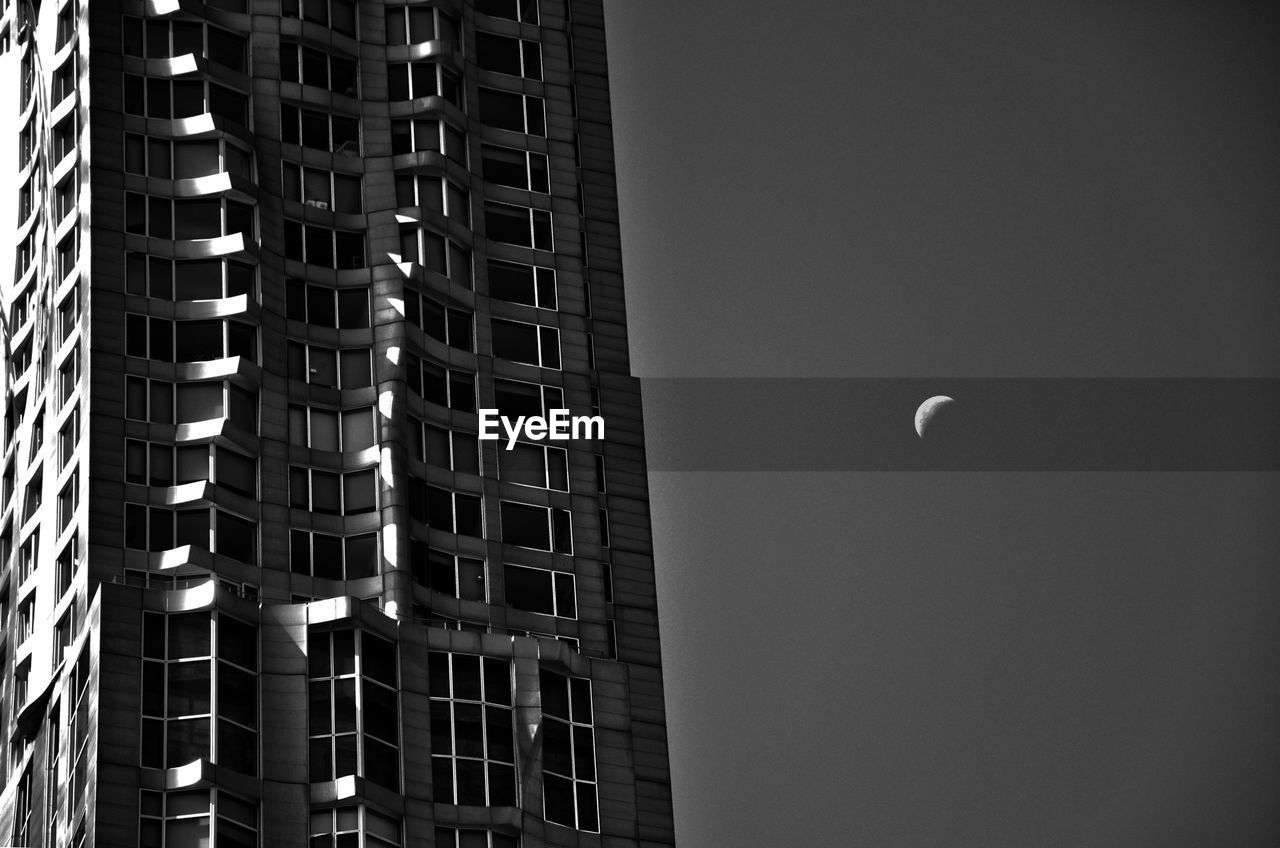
568 752
353 722
180 818
472 736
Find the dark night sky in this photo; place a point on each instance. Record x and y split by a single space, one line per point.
905 189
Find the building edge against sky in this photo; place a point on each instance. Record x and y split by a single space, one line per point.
260 583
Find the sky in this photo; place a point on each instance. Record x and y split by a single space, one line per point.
912 198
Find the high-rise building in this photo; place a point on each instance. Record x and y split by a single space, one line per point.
263 584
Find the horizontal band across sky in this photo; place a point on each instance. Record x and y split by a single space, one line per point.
800 424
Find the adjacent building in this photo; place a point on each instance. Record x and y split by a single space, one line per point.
261 583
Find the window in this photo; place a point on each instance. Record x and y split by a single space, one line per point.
64 78
167 465
415 80
506 110
528 343
509 55
324 306
186 279
446 325
309 66
448 837
184 160
517 225
188 341
181 671
323 366
444 387
68 500
436 253
341 828
544 528
68 437
515 399
568 752
453 574
322 189
162 98
322 130
536 590
338 15
331 430
521 169
603 515
64 198
322 246
179 818
522 284
423 134
66 565
354 712
331 493
448 449
535 465
435 193
515 10
69 313
410 25
472 738
64 138
453 512
333 557
204 218
156 38
154 401
600 477
66 27
160 529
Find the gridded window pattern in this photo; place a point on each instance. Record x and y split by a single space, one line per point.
186 279
436 253
472 736
317 245
322 189
535 465
199 218
517 225
528 343
341 827
161 402
310 66
515 10
538 590
505 110
428 134
353 716
181 672
453 574
447 448
329 429
178 819
324 366
447 325
155 528
435 193
521 169
188 341
163 98
515 398
157 38
453 512
162 464
448 837
568 752
414 80
338 15
445 387
331 493
322 130
513 56
333 557
184 160
544 528
325 306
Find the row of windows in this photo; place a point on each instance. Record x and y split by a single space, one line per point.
152 528
331 493
186 279
325 306
419 24
161 38
309 66
329 429
322 246
196 218
435 193
436 253
324 366
446 325
322 189
163 98
333 557
415 80
162 402
180 818
184 160
188 341
153 464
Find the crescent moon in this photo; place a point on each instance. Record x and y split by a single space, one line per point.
927 410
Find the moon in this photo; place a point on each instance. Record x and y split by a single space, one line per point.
928 410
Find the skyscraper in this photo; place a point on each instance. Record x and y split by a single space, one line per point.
263 583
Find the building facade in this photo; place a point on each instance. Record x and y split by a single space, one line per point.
262 584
